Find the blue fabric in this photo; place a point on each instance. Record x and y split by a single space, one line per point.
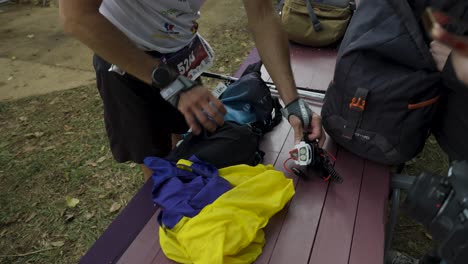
248 100
180 192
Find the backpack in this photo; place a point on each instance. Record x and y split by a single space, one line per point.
316 23
382 100
251 113
248 101
231 144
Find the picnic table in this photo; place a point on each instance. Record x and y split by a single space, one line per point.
326 223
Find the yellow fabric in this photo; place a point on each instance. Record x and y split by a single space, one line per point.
230 230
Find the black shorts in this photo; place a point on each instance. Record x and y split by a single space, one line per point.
139 122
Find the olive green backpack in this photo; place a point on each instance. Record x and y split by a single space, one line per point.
316 23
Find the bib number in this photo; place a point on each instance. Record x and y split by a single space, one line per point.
192 60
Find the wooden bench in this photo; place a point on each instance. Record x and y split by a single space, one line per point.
324 223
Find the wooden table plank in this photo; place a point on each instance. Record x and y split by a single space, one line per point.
146 246
299 228
312 68
298 232
333 241
369 231
272 141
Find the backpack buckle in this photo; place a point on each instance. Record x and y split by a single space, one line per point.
357 104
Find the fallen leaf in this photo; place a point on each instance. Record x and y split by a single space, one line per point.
101 159
62 212
49 148
23 118
101 196
67 128
13 57
34 135
10 78
92 164
31 36
221 69
28 149
30 217
108 185
103 148
54 101
89 215
132 165
57 244
69 217
72 202
428 235
114 207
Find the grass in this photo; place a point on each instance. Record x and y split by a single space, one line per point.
53 147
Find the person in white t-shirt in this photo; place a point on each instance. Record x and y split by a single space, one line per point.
145 100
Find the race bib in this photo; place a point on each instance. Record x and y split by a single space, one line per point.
192 60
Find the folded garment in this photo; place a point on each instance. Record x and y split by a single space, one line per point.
183 189
230 230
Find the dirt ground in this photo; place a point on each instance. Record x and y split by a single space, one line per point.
36 57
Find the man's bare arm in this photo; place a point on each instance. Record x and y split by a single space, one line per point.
272 45
81 18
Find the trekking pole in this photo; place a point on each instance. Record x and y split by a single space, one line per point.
313 94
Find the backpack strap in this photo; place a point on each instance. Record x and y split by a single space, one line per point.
261 128
357 106
279 8
313 17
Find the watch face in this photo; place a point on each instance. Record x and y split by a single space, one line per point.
162 77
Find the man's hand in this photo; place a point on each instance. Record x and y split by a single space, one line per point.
440 53
314 132
201 109
460 64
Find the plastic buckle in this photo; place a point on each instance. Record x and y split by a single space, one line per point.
318 26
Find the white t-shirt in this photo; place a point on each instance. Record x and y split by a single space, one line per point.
162 25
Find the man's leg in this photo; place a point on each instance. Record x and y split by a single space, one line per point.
139 123
147 172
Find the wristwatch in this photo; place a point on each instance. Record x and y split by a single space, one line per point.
162 76
180 84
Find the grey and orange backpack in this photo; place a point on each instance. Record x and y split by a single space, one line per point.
383 97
